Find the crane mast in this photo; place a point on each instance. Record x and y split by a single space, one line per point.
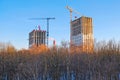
70 10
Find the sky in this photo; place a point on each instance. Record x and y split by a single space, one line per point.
15 24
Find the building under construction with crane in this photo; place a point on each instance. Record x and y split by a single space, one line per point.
81 33
47 19
37 37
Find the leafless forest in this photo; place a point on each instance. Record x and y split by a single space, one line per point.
58 63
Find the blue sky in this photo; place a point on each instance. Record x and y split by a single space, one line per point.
15 24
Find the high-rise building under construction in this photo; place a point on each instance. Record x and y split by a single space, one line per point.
37 37
82 34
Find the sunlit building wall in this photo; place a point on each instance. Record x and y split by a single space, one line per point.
82 34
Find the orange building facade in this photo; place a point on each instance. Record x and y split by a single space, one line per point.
81 36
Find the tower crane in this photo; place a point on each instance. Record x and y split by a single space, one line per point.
71 11
47 19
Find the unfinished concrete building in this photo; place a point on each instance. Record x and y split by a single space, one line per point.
82 34
37 37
